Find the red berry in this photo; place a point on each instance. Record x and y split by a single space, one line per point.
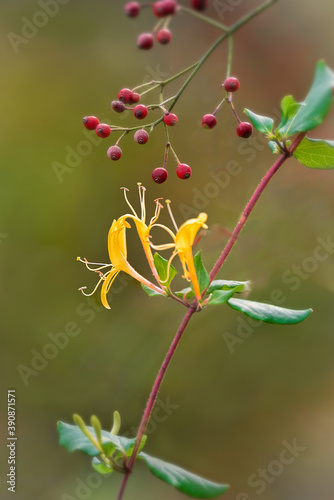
132 9
164 36
244 129
90 122
118 106
103 130
159 175
125 95
199 4
141 136
183 171
164 8
140 111
135 98
170 119
209 121
145 41
231 84
114 153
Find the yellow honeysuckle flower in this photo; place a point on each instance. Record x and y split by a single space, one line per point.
117 250
183 242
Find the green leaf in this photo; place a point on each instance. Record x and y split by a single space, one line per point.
228 284
217 285
182 480
316 105
150 292
222 296
202 273
269 313
274 147
315 153
263 124
101 467
72 438
161 265
289 108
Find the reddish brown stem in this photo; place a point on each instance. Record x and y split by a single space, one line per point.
250 205
153 396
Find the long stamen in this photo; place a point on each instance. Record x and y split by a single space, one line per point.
102 266
166 229
158 208
168 266
142 190
96 287
171 214
127 201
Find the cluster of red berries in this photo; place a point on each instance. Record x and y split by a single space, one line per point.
244 129
161 9
127 97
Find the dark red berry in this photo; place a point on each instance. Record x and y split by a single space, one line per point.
118 106
170 119
114 153
231 84
209 121
145 41
132 9
135 98
141 136
125 95
183 171
159 175
164 36
199 4
90 122
103 130
244 129
164 8
140 111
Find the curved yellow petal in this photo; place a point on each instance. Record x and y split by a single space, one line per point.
186 234
106 287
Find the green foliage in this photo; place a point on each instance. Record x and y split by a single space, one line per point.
222 296
313 110
289 108
201 272
166 272
184 481
269 313
150 292
263 124
315 153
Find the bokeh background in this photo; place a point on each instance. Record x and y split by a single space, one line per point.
224 412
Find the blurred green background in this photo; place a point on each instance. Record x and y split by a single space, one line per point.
231 411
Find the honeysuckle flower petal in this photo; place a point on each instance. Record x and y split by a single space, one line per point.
117 249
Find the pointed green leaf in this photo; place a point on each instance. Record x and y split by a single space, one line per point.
269 313
150 292
316 105
263 124
289 108
188 292
101 467
222 296
315 153
72 438
182 480
166 275
202 273
274 147
228 284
